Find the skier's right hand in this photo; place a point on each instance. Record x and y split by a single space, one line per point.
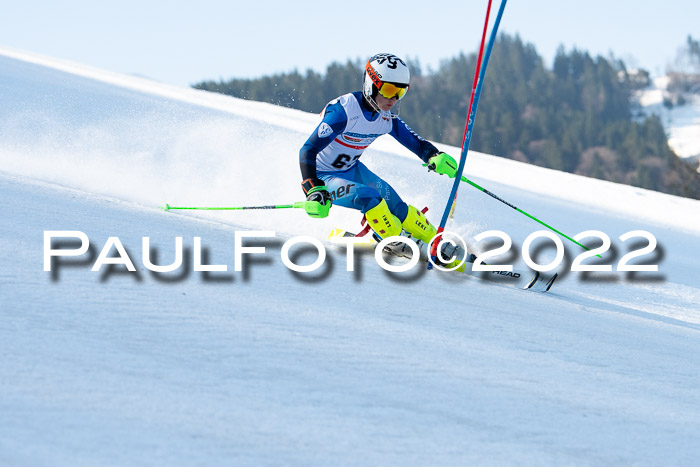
318 199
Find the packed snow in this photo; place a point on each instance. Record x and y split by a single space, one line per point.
331 367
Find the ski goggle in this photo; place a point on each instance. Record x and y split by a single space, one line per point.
387 90
390 90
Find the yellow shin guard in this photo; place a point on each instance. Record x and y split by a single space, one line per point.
418 225
420 228
382 221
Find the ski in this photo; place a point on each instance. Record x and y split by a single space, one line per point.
527 280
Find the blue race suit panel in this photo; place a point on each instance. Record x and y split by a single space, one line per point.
359 188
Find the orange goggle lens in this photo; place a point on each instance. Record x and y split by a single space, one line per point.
389 91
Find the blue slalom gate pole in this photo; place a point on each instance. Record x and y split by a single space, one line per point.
469 128
472 117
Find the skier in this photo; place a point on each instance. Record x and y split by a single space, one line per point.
329 160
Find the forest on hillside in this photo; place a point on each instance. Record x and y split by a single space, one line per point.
579 116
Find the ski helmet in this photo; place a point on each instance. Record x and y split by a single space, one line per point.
386 74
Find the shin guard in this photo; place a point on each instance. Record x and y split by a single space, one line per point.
418 225
382 221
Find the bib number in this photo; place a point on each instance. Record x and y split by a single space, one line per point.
343 161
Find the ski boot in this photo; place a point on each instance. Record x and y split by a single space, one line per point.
418 228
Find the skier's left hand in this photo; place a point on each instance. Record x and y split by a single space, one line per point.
443 164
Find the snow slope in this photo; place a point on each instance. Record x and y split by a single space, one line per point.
267 366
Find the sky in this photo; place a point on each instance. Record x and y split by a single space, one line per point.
183 43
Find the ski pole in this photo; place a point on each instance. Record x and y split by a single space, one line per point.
493 195
299 204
